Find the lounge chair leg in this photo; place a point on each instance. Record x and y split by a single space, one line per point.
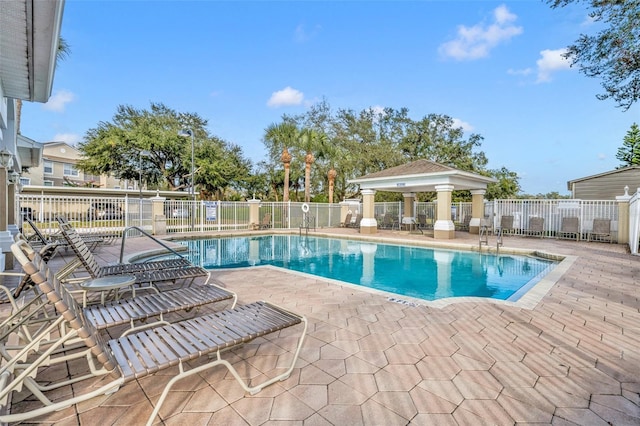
219 361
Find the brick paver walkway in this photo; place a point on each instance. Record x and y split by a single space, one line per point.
572 359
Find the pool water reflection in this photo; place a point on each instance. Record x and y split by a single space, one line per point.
419 272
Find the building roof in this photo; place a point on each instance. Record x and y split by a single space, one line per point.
61 151
29 152
610 172
29 34
421 176
409 169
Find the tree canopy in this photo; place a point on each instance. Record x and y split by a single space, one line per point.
629 152
146 142
613 54
358 143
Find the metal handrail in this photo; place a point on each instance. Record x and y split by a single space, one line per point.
499 240
146 234
483 237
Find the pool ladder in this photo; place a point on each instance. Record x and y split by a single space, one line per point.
484 238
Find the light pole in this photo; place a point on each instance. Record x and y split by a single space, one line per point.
185 133
142 153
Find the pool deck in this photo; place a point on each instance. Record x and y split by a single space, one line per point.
573 358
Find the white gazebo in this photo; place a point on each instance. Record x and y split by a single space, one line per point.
424 176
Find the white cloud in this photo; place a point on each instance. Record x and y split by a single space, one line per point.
602 156
463 124
550 62
477 41
285 97
377 110
59 100
70 138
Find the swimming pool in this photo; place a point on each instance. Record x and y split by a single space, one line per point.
419 272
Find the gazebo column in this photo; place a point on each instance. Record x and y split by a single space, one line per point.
368 225
444 228
477 210
409 200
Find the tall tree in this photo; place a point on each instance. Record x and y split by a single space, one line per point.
309 141
613 54
278 138
436 138
629 152
361 142
114 148
508 185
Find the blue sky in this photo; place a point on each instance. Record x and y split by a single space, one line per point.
495 67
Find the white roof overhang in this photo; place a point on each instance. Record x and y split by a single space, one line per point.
29 152
425 182
29 35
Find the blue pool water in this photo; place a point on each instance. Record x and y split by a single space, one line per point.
419 272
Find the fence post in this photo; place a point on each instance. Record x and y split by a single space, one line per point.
126 210
219 214
254 214
159 220
623 216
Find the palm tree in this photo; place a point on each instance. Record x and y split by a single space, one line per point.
331 175
286 160
281 136
329 151
61 54
309 141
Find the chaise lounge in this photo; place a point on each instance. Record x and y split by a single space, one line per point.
134 356
38 239
143 307
149 273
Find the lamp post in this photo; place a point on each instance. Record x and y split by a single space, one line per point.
142 153
189 133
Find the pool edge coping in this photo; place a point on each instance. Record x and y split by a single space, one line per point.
529 300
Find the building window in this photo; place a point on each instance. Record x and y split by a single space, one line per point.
70 170
48 183
25 181
48 167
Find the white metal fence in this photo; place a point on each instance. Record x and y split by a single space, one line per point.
90 214
553 211
286 215
634 222
114 214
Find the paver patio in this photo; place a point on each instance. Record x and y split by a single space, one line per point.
573 359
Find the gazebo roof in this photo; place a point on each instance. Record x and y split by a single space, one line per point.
421 176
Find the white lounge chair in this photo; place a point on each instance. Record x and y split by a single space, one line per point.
133 356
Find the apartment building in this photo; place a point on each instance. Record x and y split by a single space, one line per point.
58 168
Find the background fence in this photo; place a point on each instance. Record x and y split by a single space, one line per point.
634 222
115 214
552 211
